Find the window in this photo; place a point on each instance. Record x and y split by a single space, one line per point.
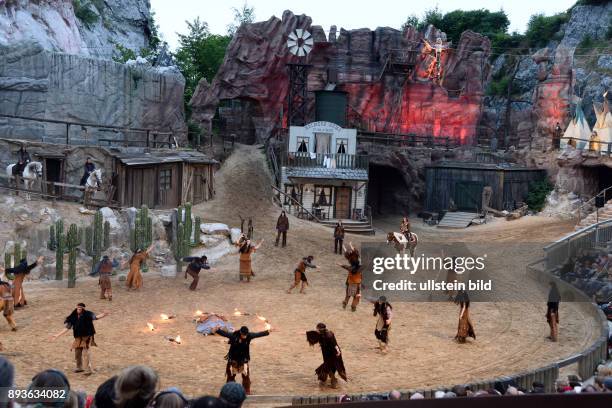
293 191
323 196
165 179
302 143
341 146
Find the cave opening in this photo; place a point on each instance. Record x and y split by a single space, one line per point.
601 179
388 193
238 119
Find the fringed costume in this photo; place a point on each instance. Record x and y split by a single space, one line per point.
106 270
7 304
83 331
238 356
20 272
384 311
193 269
354 278
332 355
246 269
465 328
299 274
134 277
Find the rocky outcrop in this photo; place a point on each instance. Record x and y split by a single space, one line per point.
60 25
357 61
36 83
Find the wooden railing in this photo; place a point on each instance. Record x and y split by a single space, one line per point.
591 145
406 140
338 161
126 136
295 203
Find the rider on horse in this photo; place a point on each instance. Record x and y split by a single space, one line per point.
89 168
23 160
405 228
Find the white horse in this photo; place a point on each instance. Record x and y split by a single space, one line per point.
31 173
93 184
401 243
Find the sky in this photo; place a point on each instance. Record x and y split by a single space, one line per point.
171 15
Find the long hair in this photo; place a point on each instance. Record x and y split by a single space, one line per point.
463 299
246 246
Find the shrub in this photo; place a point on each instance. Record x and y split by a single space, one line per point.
541 29
84 13
536 197
586 43
498 87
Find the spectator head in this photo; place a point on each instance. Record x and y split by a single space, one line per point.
607 383
105 394
55 379
482 393
450 394
439 394
589 388
135 386
232 394
170 398
416 396
537 387
207 402
395 395
459 390
562 386
7 373
574 381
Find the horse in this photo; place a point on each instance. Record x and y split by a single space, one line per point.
31 173
93 184
401 243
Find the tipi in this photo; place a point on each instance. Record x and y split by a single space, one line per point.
578 130
603 126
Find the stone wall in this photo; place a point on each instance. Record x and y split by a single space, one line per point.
46 85
54 25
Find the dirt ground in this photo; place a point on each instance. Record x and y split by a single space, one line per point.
511 336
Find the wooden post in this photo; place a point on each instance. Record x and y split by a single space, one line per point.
67 133
148 134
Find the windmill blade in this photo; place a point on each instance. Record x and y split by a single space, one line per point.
301 52
306 48
293 36
291 43
294 50
299 32
309 41
306 35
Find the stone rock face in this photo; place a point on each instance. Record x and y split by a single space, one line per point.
54 25
255 70
215 228
586 20
36 83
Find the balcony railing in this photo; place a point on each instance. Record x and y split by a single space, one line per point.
330 161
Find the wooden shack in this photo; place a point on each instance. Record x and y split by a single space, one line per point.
163 179
463 183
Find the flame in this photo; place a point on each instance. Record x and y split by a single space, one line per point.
177 339
263 319
150 326
267 326
237 312
164 316
199 313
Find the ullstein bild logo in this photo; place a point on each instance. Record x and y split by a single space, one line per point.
427 264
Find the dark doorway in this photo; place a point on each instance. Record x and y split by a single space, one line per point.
387 191
604 176
468 195
53 169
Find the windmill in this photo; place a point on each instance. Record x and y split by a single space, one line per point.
299 43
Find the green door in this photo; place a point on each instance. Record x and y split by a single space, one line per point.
468 195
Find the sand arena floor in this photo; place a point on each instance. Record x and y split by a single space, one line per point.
511 336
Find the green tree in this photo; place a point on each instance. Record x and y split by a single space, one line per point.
542 29
243 15
411 21
199 54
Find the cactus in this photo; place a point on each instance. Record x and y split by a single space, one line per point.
106 235
196 232
7 260
141 236
59 229
24 254
52 238
59 258
72 243
89 241
80 233
188 222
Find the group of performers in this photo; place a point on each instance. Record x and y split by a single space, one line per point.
81 321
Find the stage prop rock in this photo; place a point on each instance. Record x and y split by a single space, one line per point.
255 73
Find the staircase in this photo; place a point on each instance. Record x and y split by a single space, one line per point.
605 213
352 226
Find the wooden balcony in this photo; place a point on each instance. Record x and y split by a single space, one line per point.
330 161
